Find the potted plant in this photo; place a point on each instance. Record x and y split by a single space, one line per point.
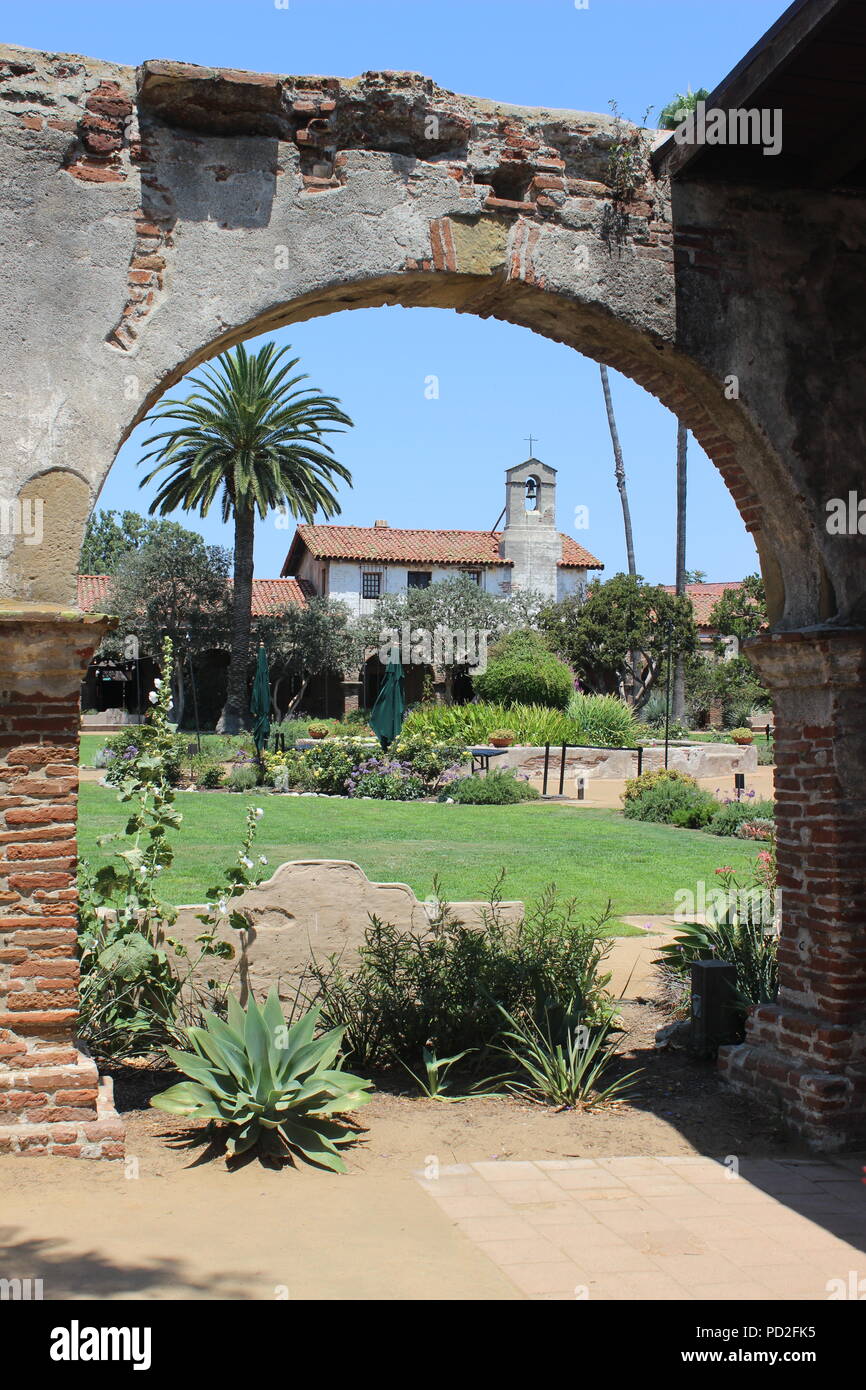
318 731
502 738
742 735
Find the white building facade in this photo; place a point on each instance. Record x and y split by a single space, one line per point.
357 565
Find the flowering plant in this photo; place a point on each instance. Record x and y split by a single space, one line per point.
386 779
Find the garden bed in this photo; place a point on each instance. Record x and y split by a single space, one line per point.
680 1106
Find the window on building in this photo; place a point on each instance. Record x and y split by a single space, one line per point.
419 579
474 575
371 585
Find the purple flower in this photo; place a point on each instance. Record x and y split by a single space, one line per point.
130 752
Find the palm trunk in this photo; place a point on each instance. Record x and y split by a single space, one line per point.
236 714
619 473
678 703
619 470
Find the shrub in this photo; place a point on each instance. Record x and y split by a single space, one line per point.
532 724
385 779
242 779
766 752
435 762
761 828
442 990
497 788
740 929
636 786
524 644
327 766
731 814
284 770
673 803
124 747
272 1086
536 679
602 720
211 777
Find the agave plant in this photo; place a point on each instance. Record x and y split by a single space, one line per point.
272 1084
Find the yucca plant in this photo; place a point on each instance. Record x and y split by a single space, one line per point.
272 1084
563 1066
434 1083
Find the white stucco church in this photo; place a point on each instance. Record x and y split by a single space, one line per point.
358 564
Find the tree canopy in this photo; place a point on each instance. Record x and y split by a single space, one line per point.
112 536
742 611
617 637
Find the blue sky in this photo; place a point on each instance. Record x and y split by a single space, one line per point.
440 462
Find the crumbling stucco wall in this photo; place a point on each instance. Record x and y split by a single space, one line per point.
149 218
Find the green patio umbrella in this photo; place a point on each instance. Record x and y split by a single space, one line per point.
260 702
386 717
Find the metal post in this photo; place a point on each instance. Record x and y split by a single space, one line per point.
562 770
639 761
546 765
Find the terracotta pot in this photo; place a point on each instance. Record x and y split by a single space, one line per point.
501 742
318 733
743 741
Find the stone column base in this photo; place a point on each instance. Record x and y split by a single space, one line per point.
61 1107
805 1065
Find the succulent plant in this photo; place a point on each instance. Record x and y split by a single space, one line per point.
272 1084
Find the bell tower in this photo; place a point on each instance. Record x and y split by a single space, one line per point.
530 539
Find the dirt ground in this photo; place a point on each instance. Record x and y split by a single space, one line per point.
173 1222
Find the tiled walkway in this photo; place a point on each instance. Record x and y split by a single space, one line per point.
664 1228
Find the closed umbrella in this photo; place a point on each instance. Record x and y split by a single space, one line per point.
386 716
260 702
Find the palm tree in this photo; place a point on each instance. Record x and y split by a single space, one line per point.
251 437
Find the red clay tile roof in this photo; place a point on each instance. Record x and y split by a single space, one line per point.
268 594
704 597
390 543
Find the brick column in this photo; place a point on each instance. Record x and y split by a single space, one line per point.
51 1100
807 1052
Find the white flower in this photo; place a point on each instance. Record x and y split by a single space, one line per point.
222 905
142 871
263 859
157 685
247 863
153 697
259 813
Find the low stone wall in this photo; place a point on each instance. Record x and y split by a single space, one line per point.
698 759
309 908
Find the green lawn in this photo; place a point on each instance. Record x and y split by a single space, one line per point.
591 855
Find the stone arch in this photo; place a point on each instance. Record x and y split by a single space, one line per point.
171 212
